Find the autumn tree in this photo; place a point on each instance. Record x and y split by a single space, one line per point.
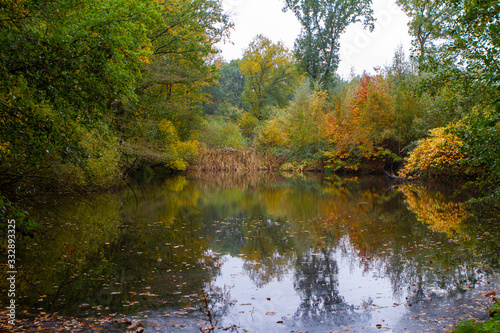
182 61
270 74
306 116
464 72
363 130
89 89
323 22
161 127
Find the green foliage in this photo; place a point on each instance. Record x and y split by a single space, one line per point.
229 111
182 65
490 326
305 123
429 22
480 133
408 108
8 211
99 165
218 132
323 22
475 34
458 56
67 61
229 89
92 90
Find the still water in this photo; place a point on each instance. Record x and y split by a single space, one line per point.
263 254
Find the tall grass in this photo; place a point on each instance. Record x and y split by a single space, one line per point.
233 160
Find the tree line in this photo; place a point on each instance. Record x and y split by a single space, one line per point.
434 114
92 91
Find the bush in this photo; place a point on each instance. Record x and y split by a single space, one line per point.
248 122
273 134
438 155
218 132
491 326
480 133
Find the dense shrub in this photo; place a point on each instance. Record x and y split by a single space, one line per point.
218 132
438 155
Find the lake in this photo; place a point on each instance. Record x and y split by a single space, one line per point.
261 253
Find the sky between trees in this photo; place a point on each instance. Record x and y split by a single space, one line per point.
360 49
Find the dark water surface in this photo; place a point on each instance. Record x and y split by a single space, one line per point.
262 254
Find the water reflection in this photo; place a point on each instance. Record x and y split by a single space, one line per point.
292 253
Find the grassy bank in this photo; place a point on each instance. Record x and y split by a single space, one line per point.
490 326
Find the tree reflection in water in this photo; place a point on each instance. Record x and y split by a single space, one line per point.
160 244
316 280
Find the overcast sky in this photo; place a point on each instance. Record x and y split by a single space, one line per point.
360 49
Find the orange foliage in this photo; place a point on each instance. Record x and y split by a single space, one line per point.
361 131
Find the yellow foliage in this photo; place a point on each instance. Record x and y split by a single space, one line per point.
188 149
248 122
183 151
4 148
145 59
438 154
270 73
272 134
168 129
103 157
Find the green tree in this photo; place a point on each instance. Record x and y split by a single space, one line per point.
182 64
229 89
323 22
270 74
171 90
105 85
429 22
63 64
476 35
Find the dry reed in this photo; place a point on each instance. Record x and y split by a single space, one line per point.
232 160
